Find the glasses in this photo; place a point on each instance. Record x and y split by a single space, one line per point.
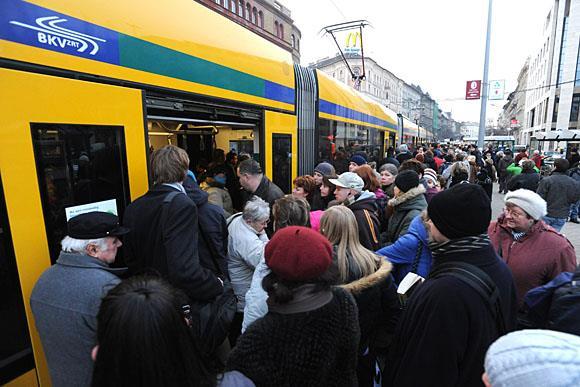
514 214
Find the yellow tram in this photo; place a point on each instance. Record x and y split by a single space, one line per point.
89 88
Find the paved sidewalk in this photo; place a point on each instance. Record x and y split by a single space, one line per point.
570 230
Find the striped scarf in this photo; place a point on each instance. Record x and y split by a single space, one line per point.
518 235
460 245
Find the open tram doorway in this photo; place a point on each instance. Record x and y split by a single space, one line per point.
202 128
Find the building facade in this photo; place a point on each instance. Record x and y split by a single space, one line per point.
469 129
379 83
389 90
553 84
267 18
513 114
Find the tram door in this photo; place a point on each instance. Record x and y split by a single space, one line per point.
63 144
281 149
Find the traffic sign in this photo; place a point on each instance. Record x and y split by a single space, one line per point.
473 90
496 90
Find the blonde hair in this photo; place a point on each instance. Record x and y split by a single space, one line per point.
339 226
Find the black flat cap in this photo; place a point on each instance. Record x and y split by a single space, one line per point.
95 225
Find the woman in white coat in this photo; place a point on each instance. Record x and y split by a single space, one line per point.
246 242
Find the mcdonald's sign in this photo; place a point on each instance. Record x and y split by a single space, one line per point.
353 43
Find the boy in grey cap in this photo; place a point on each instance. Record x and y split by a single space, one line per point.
349 192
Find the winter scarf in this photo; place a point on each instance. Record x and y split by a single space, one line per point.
460 245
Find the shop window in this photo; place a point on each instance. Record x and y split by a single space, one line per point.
282 164
78 164
16 356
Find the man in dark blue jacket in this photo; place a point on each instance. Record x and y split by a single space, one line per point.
212 227
448 324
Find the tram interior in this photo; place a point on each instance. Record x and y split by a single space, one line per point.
200 127
200 140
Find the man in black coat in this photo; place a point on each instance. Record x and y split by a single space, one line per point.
448 325
253 181
164 236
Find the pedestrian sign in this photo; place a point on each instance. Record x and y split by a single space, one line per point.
496 90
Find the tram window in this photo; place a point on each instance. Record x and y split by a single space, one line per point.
78 164
16 356
282 165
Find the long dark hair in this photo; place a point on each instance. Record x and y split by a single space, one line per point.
144 339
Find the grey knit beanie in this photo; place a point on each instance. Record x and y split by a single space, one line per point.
534 358
529 201
391 168
325 169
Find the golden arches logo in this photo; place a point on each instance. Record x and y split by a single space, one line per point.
354 38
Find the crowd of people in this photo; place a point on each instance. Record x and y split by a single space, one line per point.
385 273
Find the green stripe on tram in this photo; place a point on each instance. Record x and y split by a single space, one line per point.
153 58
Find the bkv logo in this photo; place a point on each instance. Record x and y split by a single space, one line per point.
353 43
49 32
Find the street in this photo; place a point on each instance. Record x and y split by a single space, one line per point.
570 230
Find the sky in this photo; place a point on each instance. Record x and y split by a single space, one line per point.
437 44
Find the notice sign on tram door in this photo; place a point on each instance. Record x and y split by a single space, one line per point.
473 90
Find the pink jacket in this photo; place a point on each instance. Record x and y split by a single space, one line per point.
535 259
315 219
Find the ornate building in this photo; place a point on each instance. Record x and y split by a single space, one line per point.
267 18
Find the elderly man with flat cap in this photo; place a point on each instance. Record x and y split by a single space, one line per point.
466 303
66 299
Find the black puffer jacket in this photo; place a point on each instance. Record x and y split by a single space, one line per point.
366 213
315 348
378 313
405 207
526 180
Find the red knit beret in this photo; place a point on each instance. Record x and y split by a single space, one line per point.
298 254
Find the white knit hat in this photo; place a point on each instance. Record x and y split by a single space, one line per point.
534 358
529 201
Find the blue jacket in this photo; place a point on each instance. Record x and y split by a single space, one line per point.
402 253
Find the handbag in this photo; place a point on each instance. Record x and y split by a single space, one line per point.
412 280
215 318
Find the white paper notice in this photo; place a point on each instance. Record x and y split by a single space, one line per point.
109 206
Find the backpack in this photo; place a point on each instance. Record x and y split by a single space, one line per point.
212 324
479 281
554 306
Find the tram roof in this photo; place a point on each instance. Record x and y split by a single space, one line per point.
341 102
175 44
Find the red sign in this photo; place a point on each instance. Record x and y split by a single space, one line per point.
473 90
